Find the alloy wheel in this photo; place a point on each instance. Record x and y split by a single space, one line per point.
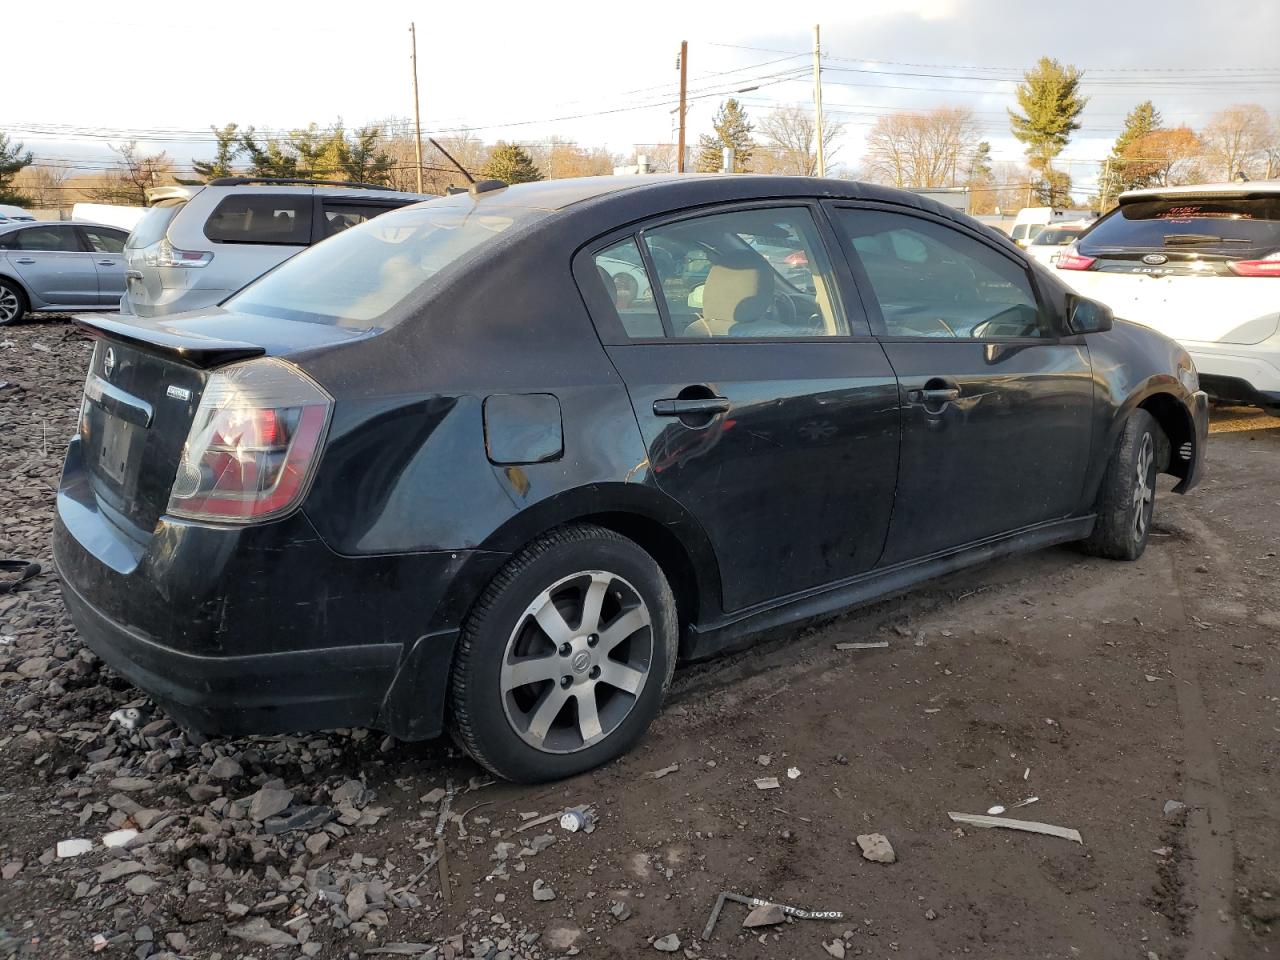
576 662
9 305
1143 489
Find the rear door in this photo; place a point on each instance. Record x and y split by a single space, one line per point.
53 264
997 403
337 214
768 410
107 245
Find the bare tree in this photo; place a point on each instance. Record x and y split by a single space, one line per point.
44 185
930 149
661 156
137 173
1236 140
790 140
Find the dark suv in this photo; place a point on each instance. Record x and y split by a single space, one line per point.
448 467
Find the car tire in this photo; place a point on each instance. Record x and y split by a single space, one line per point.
566 657
13 303
1126 500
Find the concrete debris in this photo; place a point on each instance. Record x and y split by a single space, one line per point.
864 645
267 802
668 944
620 910
659 774
793 773
876 848
834 949
1173 808
259 931
542 891
119 838
767 783
73 848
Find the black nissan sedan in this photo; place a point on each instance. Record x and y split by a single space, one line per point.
499 460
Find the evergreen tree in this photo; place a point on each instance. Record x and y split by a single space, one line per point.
1051 104
222 165
511 164
1140 121
732 129
13 158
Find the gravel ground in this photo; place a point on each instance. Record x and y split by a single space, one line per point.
1104 690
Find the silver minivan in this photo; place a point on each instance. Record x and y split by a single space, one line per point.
197 245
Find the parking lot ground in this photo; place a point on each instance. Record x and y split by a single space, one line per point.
1103 689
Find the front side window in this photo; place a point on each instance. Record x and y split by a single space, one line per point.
931 280
748 273
283 219
357 277
51 239
625 280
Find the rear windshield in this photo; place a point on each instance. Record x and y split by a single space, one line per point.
1215 225
355 278
1057 236
153 224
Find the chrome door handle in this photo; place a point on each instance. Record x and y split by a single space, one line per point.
684 408
106 263
24 259
935 395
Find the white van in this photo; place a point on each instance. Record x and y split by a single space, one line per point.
1030 219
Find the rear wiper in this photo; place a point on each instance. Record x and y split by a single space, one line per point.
1185 239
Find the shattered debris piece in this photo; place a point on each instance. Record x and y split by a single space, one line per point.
793 773
767 915
572 821
1151 679
668 944
995 811
542 891
620 910
659 774
1026 803
118 838
764 759
72 848
835 948
876 848
767 783
1173 808
864 645
1027 826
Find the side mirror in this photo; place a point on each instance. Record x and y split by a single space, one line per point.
1089 316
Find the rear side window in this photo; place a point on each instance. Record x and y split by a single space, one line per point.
53 239
102 240
339 215
153 224
931 280
357 277
625 281
1057 236
1224 225
261 218
746 273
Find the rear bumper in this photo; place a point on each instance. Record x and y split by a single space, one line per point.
261 693
265 629
1245 373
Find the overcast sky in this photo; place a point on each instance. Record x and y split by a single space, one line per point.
604 72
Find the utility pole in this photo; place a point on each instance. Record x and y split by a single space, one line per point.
417 117
1106 182
817 95
684 79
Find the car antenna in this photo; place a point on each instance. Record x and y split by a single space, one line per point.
435 143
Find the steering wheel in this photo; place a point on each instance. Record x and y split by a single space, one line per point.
784 309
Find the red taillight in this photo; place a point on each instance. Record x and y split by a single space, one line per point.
253 444
1266 267
1073 261
797 259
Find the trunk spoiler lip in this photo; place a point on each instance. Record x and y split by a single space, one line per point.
192 349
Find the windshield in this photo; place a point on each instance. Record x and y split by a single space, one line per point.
355 278
1228 225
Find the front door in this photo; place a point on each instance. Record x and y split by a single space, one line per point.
997 403
767 410
53 265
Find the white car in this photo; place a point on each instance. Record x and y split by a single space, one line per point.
1201 264
10 214
1047 245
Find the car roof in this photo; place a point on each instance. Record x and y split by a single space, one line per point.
187 191
20 224
1247 188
